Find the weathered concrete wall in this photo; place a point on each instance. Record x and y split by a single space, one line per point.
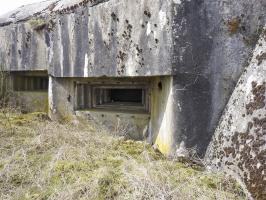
212 42
239 143
31 101
3 84
22 48
126 124
162 123
192 112
89 40
61 98
104 40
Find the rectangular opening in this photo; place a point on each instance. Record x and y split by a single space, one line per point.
125 95
112 97
30 83
108 97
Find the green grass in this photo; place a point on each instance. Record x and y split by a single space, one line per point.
40 159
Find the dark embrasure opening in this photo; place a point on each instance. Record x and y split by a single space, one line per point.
113 97
30 83
126 95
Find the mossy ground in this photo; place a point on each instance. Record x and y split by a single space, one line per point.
40 159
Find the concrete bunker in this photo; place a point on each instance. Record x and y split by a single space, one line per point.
135 107
179 49
30 90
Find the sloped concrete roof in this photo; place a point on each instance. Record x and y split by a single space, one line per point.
43 8
24 12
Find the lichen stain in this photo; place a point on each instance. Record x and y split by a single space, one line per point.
261 57
258 100
233 25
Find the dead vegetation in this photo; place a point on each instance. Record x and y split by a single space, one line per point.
41 159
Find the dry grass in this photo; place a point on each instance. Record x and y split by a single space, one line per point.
40 159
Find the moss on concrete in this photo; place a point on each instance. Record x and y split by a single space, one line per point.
38 24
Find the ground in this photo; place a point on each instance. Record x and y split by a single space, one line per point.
41 159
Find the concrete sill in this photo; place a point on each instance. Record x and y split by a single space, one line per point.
37 91
117 112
